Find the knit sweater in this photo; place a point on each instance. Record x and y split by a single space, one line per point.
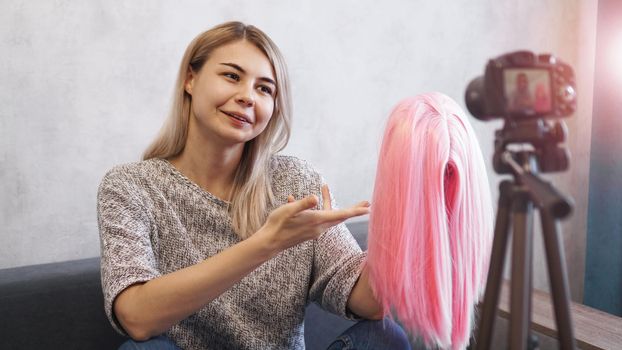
153 220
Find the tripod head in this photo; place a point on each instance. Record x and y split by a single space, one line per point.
546 154
546 139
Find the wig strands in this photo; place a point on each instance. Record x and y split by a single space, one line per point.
431 223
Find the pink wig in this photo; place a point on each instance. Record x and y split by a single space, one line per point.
431 222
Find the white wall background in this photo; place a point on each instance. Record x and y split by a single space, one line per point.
85 85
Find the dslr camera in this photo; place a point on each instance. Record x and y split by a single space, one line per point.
523 86
531 93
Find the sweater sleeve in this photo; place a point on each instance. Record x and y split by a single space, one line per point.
337 265
127 254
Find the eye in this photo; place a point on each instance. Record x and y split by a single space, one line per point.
233 76
265 89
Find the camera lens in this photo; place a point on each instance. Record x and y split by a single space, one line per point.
474 98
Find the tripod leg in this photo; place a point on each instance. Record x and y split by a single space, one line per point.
495 270
559 281
520 305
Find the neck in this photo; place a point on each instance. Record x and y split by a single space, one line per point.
209 165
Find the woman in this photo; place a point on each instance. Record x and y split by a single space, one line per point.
213 239
521 99
542 102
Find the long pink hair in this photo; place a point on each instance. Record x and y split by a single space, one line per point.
431 222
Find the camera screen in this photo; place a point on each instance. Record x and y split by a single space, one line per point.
527 90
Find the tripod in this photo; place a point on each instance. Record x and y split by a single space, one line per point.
518 198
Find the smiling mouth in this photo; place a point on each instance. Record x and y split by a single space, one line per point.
237 117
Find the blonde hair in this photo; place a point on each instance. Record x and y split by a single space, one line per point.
252 193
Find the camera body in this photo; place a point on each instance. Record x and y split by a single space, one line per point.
523 86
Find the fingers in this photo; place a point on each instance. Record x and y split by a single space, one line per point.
332 218
327 214
356 211
326 205
294 207
365 204
341 214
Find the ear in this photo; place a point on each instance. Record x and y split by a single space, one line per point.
189 83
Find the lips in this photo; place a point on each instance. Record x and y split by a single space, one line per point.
238 116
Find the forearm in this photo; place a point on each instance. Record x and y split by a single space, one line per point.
151 308
362 301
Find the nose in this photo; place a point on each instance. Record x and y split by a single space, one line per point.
245 97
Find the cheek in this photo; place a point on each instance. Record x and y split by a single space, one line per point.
200 102
206 99
266 111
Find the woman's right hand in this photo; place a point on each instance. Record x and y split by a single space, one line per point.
297 221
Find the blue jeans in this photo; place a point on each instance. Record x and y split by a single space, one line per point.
369 335
157 343
364 335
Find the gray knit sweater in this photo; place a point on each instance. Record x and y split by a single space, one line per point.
153 220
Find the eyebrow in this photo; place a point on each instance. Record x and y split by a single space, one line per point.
235 66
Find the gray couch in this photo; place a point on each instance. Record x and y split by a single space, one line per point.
60 306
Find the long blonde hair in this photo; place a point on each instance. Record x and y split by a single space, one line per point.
252 190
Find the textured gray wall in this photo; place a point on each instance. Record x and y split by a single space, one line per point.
86 84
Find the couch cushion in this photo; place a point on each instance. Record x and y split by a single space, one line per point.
55 306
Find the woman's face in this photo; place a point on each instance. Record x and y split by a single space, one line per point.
521 82
233 94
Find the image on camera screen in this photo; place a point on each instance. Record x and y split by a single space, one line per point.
527 90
